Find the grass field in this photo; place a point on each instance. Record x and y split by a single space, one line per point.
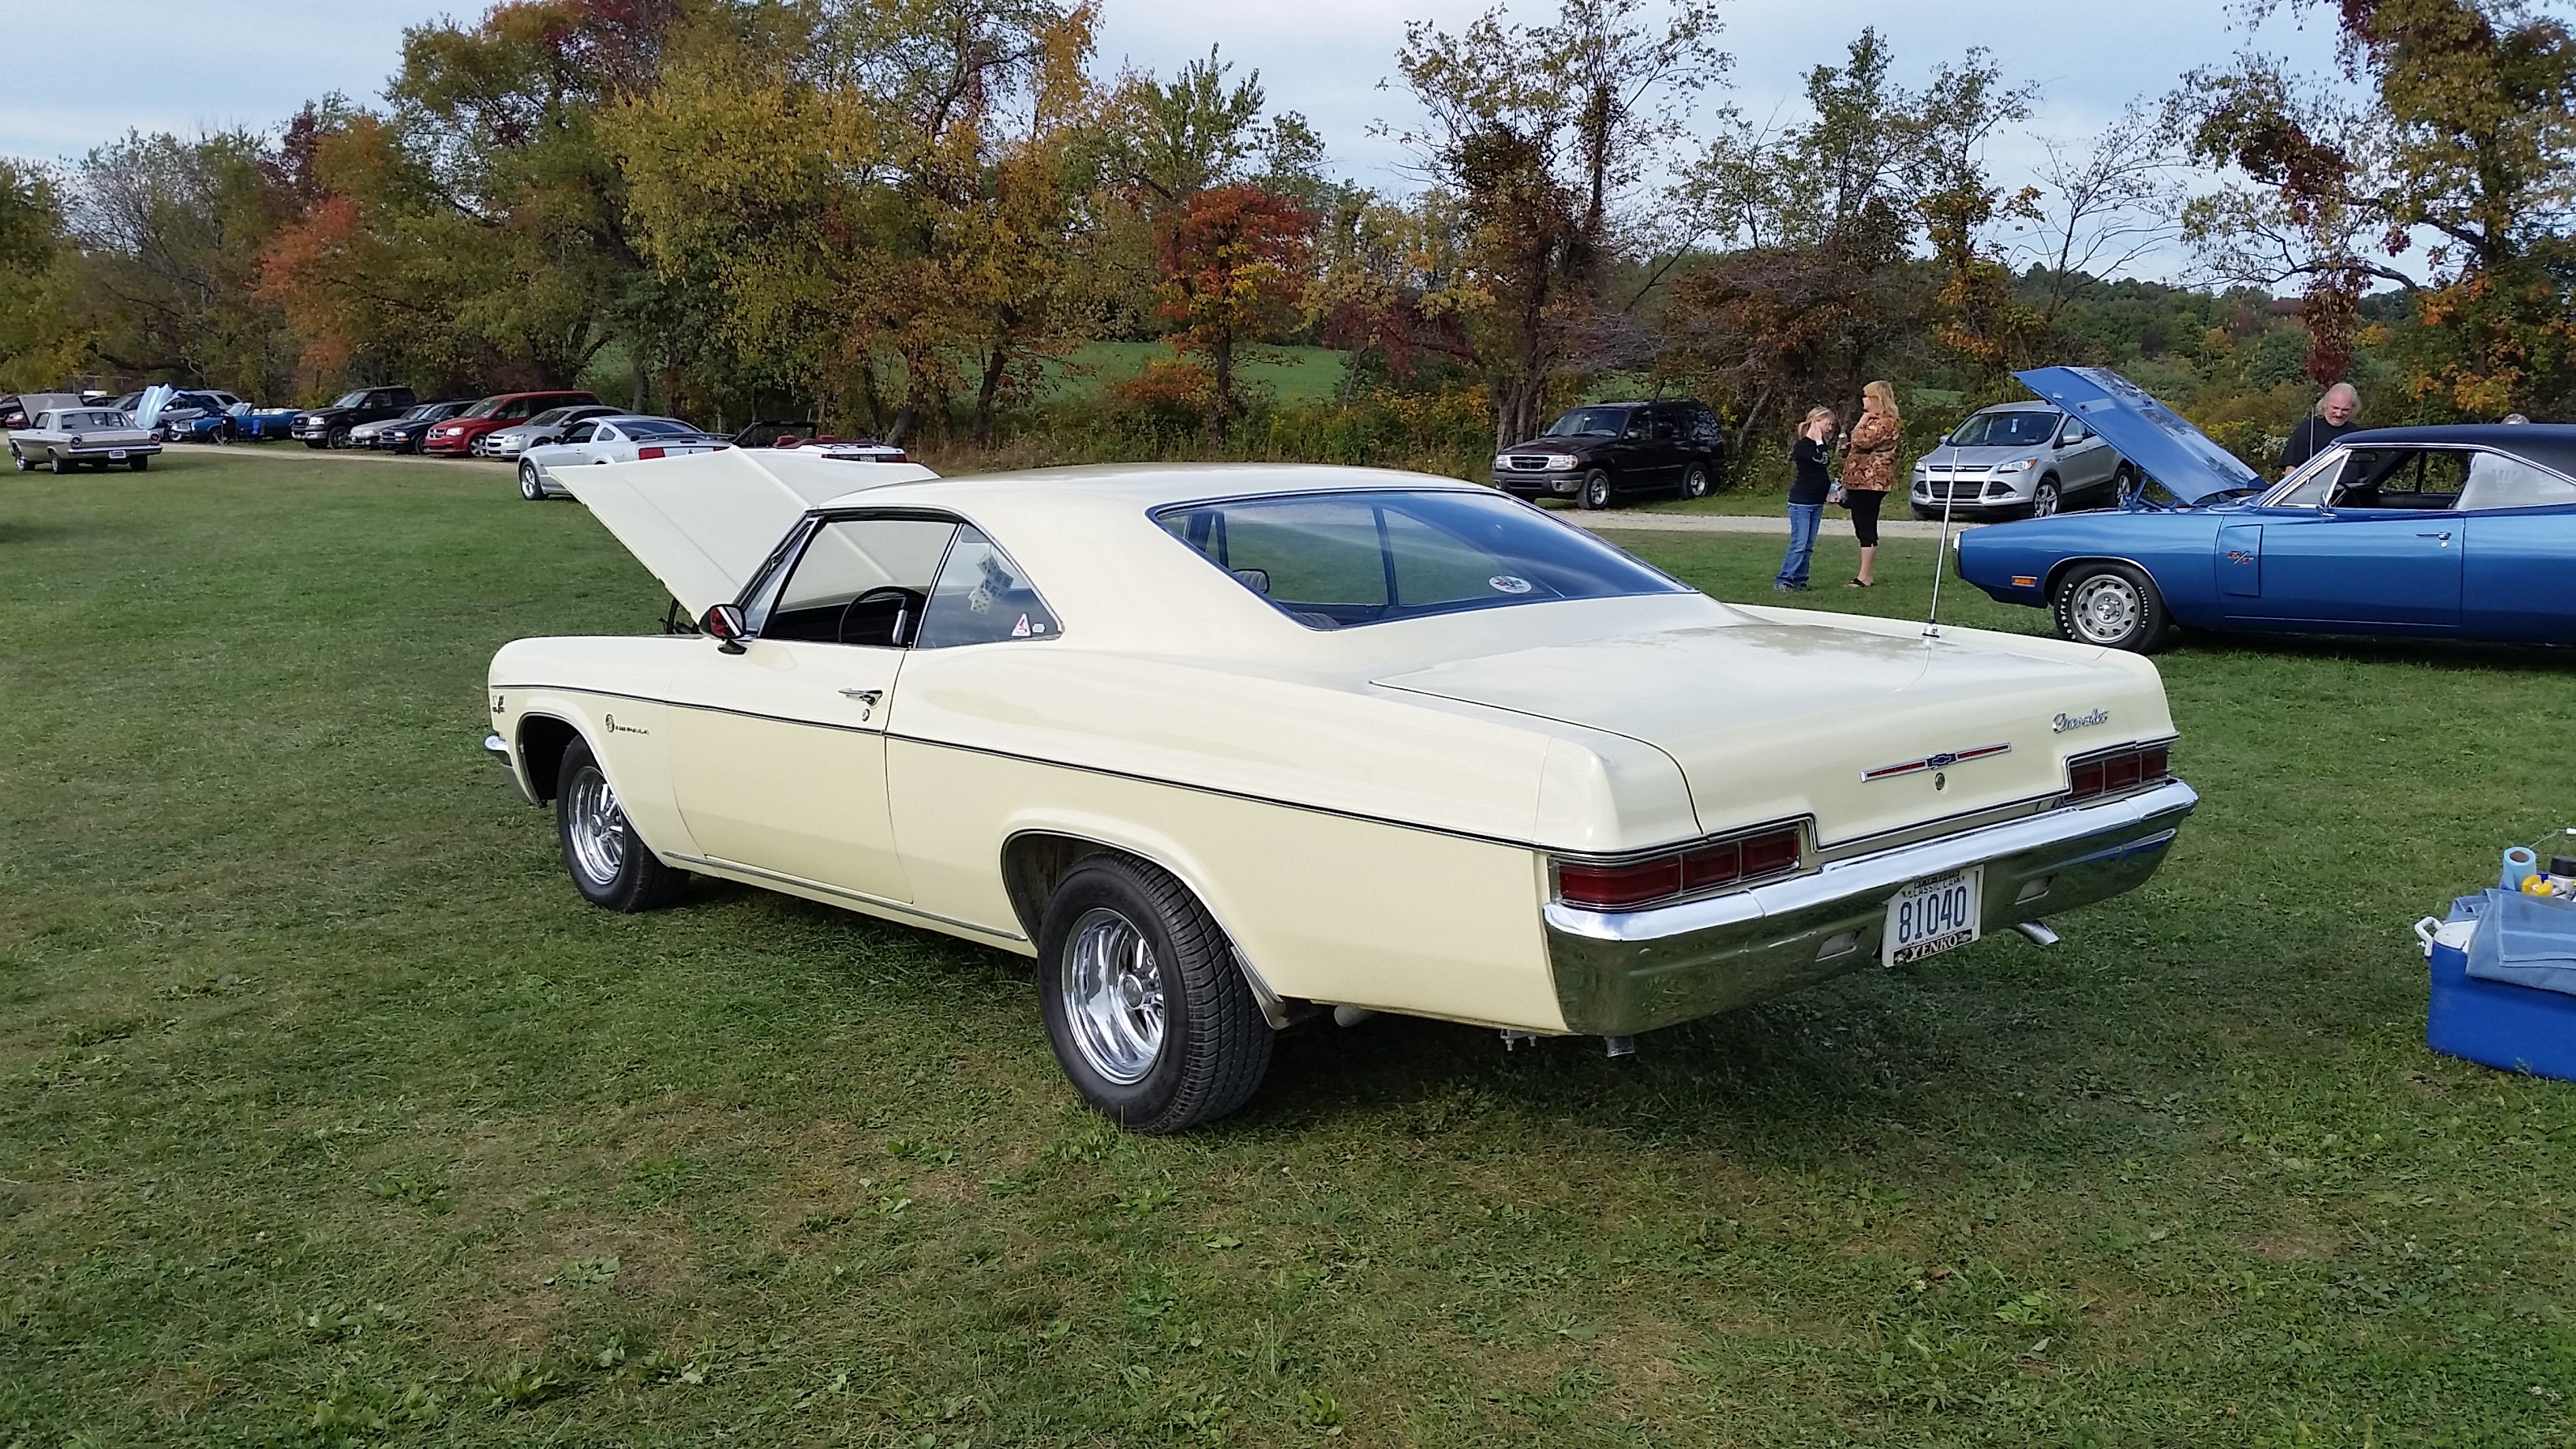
1288 374
329 1114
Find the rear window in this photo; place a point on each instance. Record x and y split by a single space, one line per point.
1334 560
653 428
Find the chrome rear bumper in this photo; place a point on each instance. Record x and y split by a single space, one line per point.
1619 973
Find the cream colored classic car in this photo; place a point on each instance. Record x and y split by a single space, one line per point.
1223 747
68 438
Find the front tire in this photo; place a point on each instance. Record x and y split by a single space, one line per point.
531 487
2046 499
1148 1014
25 463
2112 606
609 863
1695 482
1596 489
336 438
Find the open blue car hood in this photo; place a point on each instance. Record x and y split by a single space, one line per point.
2144 431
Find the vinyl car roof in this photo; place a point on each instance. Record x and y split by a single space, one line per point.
1135 486
2550 444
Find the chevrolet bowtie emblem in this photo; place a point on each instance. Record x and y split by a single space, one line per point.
1940 761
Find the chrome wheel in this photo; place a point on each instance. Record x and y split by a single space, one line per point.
2044 500
2105 609
529 488
1113 997
594 827
1695 482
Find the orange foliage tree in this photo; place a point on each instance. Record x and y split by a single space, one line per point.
1234 261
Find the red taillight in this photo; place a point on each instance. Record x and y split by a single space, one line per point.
2115 771
1619 885
1700 868
642 453
897 456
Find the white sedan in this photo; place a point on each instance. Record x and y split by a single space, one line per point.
68 438
617 438
1224 748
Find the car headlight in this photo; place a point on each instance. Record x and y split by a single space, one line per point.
1559 462
2019 466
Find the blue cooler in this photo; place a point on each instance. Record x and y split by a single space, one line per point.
2493 1022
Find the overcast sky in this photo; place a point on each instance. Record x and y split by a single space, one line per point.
209 64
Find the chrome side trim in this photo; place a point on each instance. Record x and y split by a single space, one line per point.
1618 973
754 875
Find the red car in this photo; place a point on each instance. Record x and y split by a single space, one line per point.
455 437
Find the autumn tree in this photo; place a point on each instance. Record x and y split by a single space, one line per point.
1234 263
1534 133
2460 136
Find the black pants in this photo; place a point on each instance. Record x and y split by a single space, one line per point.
1864 511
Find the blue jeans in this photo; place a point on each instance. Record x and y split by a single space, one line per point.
1804 520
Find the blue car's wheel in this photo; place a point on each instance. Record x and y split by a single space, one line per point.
2110 605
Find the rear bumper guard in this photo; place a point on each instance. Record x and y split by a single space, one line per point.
1623 972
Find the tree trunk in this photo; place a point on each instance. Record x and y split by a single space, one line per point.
994 364
635 380
1221 414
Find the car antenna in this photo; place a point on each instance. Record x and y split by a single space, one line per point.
1941 559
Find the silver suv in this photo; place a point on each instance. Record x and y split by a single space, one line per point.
2019 460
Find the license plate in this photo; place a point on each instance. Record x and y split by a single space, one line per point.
1929 918
116 455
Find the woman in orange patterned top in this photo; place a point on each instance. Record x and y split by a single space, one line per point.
1869 469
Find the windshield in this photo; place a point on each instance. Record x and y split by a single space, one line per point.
1332 560
2022 428
486 408
352 399
1589 423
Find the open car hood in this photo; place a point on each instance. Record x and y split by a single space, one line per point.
703 522
2144 431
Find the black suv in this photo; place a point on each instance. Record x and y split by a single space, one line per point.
1603 451
329 427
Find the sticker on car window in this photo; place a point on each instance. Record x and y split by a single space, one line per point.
1508 584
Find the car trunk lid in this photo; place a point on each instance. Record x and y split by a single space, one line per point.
1773 719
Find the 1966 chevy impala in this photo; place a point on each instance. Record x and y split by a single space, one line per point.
1221 746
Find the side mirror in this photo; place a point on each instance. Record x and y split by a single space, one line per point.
724 623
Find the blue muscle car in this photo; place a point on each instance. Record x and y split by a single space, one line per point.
2459 532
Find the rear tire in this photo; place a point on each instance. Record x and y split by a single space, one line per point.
1148 1013
609 863
62 465
2124 480
1695 481
1596 489
139 462
2112 606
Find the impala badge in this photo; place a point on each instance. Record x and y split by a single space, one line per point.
1941 761
2065 722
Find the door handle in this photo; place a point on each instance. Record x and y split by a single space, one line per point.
2444 537
864 696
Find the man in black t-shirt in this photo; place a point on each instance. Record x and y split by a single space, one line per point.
2315 434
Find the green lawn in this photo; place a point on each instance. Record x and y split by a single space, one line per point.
1291 374
329 1114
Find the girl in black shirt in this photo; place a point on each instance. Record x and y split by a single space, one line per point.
1808 486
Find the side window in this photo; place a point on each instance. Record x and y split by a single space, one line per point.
585 432
2310 491
982 597
859 581
2073 433
1637 427
1668 428
2496 481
